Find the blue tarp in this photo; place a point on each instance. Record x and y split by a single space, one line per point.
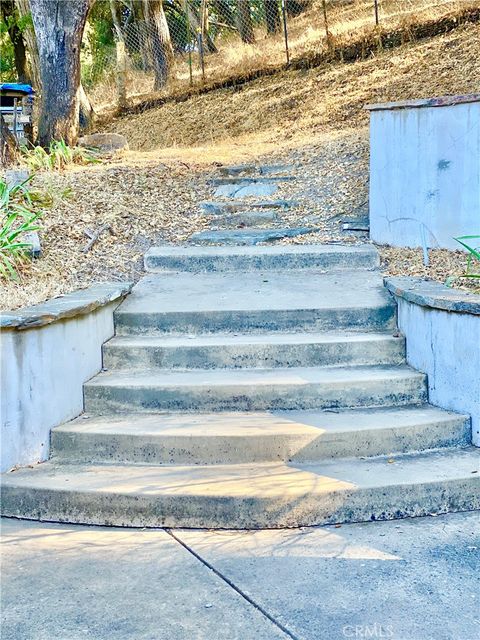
15 86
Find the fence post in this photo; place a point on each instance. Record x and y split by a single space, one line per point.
189 43
377 21
325 18
285 30
121 74
200 54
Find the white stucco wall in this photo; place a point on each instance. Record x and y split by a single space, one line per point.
42 373
446 346
424 173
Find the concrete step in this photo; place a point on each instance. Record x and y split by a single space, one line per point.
268 495
255 169
253 351
219 208
303 300
261 258
247 237
125 391
237 438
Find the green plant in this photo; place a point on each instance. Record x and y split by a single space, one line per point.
57 156
18 217
473 257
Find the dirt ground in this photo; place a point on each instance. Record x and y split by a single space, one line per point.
313 119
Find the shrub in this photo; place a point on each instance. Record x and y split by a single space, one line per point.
18 217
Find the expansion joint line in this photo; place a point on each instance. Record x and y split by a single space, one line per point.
234 587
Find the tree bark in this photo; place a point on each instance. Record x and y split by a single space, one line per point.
162 50
272 16
224 11
30 40
244 22
8 145
59 27
9 14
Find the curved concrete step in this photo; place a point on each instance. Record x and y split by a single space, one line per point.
260 258
246 496
236 438
303 300
253 389
253 351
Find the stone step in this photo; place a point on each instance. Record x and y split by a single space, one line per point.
271 301
255 169
125 391
253 351
247 237
219 208
268 495
276 257
237 438
246 180
246 189
245 219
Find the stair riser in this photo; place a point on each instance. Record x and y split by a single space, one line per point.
255 355
212 449
372 319
361 260
115 399
144 510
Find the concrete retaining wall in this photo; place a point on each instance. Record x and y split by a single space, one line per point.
425 171
442 328
47 352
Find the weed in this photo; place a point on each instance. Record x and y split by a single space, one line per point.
58 156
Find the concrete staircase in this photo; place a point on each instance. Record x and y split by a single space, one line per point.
253 387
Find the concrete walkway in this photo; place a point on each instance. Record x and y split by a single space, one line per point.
414 579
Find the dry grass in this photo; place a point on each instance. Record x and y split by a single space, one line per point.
292 107
144 203
348 21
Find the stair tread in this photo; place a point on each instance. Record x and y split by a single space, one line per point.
249 423
279 338
250 481
318 249
294 376
256 291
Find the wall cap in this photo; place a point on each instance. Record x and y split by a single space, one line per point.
70 305
443 101
432 294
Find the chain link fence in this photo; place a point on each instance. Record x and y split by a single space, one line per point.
168 46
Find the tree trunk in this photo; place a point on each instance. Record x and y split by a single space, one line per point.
199 23
59 27
86 110
8 145
224 11
30 40
10 15
244 21
162 50
272 16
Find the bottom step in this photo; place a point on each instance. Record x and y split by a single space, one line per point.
247 496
